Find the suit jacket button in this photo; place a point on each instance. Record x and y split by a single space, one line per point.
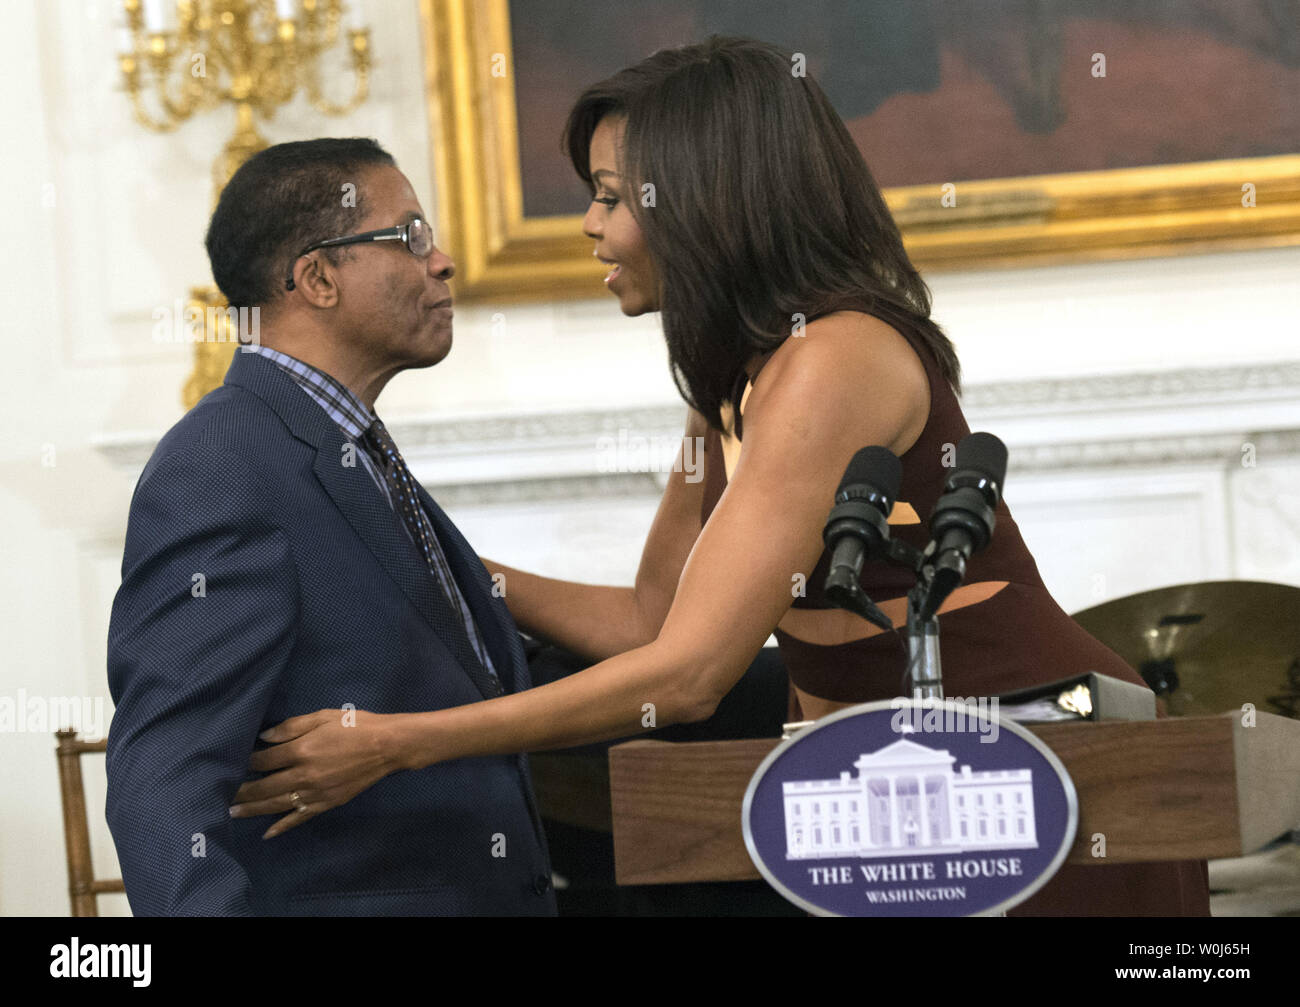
543 884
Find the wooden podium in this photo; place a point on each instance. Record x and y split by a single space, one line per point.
1186 788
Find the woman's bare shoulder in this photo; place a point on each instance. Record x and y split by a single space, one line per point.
848 365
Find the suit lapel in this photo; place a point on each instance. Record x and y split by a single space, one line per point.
350 486
379 526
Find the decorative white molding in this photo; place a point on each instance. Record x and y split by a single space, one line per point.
1225 449
1189 416
533 428
1255 381
534 491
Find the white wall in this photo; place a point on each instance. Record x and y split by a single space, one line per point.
1125 390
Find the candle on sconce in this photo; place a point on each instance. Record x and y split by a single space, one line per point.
155 19
125 41
284 10
356 15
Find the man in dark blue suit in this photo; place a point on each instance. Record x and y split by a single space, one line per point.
280 559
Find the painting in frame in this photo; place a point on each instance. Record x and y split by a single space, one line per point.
1002 132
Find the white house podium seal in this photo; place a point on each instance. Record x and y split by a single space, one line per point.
910 807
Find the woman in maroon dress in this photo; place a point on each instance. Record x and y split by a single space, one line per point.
728 195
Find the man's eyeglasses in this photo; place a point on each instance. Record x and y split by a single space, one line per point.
417 236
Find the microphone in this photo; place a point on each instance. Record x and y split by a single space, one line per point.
857 530
963 518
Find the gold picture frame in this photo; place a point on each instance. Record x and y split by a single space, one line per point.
502 255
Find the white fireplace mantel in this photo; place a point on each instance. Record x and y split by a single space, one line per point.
1185 416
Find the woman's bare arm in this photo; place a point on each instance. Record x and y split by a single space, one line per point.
596 621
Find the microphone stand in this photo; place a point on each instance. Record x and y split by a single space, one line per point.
922 635
923 646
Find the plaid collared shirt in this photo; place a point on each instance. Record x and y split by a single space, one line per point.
354 419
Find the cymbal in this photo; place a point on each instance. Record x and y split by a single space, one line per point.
1209 647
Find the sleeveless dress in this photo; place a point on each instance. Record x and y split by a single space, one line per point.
1000 631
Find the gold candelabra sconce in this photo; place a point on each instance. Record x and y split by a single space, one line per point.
189 55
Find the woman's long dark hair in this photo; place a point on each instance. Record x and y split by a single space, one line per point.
764 210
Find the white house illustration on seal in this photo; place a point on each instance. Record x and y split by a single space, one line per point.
907 800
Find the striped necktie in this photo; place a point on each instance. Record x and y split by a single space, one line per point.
402 488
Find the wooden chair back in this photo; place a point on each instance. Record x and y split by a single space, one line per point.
83 889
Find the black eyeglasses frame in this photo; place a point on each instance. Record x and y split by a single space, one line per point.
402 233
